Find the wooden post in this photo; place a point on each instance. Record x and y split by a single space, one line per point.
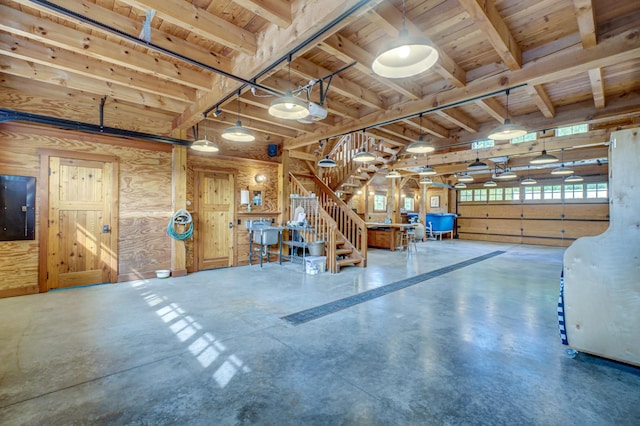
178 201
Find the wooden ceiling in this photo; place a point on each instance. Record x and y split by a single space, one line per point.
564 61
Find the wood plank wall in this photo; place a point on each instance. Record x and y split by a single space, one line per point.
556 223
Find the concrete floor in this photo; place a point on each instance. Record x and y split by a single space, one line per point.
477 345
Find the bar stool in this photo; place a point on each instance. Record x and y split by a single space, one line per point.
411 243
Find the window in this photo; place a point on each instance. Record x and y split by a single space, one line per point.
466 195
597 190
572 192
379 203
495 194
572 130
532 192
525 138
512 194
552 192
408 204
479 195
483 143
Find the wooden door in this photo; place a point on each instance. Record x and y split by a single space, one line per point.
216 197
81 245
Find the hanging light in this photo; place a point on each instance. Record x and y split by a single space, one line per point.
573 178
508 174
204 145
420 146
406 55
507 130
363 157
528 181
562 170
393 174
288 106
427 171
327 162
238 133
425 181
477 165
490 184
544 158
465 177
460 185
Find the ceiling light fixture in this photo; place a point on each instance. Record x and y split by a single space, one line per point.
506 175
477 165
420 146
406 55
460 185
425 181
327 162
507 130
562 170
204 145
427 171
544 158
288 106
363 157
573 179
238 133
528 181
465 178
393 174
490 184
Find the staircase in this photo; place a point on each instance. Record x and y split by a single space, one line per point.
344 232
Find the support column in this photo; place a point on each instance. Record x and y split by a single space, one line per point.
178 201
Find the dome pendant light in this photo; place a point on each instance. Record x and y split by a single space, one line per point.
420 146
288 106
562 170
544 158
204 145
327 162
405 56
460 185
507 130
238 133
477 165
465 178
363 157
393 174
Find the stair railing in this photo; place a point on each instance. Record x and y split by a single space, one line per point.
342 153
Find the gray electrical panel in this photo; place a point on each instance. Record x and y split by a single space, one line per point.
17 208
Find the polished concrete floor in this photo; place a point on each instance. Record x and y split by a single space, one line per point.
471 345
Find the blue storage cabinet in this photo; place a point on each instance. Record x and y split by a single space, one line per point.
441 223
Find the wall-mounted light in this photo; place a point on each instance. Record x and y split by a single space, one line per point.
260 178
244 198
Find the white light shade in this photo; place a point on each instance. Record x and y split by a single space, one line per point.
405 56
326 162
528 181
420 147
460 185
244 196
465 178
425 181
364 157
507 131
204 145
562 171
573 178
477 165
238 133
490 184
427 171
393 174
288 107
507 175
544 158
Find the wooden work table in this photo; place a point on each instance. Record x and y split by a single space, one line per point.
385 235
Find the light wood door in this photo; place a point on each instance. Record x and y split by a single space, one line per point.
81 247
215 219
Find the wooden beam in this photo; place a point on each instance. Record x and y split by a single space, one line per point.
494 108
302 156
275 11
428 126
586 22
597 87
486 16
15 22
460 118
542 100
200 22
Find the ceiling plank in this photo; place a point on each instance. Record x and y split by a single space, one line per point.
348 52
597 87
460 118
32 51
586 22
446 66
200 22
542 100
15 22
428 126
132 27
275 11
486 16
620 48
494 108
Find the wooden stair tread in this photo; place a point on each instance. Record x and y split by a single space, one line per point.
343 251
348 261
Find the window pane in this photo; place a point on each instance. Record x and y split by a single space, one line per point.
483 143
528 137
408 204
597 190
532 193
466 195
573 191
572 130
495 194
379 202
512 193
552 192
479 195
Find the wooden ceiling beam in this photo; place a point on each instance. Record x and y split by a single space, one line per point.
132 27
542 100
428 126
446 66
275 11
486 16
200 22
459 118
597 87
494 108
55 57
227 119
586 22
16 22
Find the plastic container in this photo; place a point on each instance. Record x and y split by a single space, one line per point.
441 222
163 273
315 264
